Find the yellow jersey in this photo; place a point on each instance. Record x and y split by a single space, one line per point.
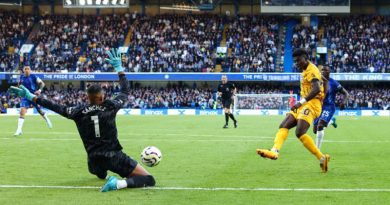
308 75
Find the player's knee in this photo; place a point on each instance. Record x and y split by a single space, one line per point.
102 175
299 133
150 180
284 125
22 112
320 127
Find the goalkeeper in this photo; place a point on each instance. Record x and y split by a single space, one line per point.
97 128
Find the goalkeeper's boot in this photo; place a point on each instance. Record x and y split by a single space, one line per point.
225 126
334 122
110 184
324 161
235 123
267 154
18 132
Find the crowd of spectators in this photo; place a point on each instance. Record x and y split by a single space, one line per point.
77 43
179 96
359 43
14 29
252 42
370 98
306 37
188 42
57 43
174 43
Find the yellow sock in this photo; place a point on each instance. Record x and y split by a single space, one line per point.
308 142
281 136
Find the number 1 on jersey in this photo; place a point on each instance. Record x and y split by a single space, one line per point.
95 119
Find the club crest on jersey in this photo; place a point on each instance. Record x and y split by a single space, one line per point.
93 108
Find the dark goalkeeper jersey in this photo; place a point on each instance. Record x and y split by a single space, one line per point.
95 123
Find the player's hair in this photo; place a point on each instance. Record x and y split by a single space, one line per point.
300 52
94 89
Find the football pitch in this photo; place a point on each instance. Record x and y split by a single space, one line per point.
202 163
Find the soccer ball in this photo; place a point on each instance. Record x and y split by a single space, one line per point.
151 156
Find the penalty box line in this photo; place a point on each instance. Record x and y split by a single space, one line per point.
209 188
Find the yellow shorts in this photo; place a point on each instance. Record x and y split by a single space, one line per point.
308 111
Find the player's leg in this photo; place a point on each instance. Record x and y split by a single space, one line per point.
307 141
95 169
134 175
231 114
226 111
43 114
140 177
305 116
333 122
323 122
24 104
320 132
281 136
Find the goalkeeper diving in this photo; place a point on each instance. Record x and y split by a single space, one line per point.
97 128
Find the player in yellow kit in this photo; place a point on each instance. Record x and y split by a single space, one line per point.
303 113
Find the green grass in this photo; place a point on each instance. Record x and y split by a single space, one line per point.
197 152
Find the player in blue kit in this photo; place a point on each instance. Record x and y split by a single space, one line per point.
329 106
35 85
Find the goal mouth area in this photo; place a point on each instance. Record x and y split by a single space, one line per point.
251 104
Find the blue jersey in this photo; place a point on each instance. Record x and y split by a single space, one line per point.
30 82
333 88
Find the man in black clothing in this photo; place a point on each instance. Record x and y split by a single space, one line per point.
97 128
226 91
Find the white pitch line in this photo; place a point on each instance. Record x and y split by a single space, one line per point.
260 139
212 188
243 137
147 134
48 187
163 140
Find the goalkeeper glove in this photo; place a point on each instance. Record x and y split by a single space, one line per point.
22 92
115 59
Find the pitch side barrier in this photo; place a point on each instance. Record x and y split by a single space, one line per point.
279 77
193 112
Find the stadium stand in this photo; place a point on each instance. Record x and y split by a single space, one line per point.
358 43
179 96
187 42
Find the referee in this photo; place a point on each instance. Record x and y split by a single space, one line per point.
226 92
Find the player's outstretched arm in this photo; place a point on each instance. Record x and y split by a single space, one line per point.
325 84
346 95
116 62
41 85
21 91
